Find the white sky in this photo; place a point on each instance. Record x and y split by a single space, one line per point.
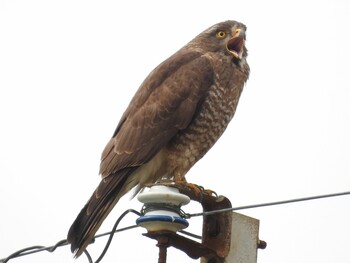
69 68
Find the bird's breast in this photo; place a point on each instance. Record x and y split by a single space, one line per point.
208 124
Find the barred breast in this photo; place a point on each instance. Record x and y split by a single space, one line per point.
211 120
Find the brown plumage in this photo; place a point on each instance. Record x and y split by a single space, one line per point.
178 113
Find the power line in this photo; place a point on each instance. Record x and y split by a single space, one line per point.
303 199
35 249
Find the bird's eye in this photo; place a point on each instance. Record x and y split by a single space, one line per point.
221 34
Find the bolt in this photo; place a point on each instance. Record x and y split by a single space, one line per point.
262 244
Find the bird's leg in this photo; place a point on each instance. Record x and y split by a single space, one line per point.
180 179
194 191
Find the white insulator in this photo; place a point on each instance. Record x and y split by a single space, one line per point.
162 209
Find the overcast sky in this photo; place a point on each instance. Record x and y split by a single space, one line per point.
68 69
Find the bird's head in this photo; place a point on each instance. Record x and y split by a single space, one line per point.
226 37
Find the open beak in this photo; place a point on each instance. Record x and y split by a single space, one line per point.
235 44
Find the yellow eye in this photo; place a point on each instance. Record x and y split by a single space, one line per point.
221 34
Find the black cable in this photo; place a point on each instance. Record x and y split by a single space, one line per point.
36 249
118 230
113 231
190 234
88 256
23 252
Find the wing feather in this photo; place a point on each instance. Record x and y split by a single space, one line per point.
165 103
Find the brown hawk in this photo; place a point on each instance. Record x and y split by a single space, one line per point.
178 113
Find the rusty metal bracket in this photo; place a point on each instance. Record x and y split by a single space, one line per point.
216 232
192 248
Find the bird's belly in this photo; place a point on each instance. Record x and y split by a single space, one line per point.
192 143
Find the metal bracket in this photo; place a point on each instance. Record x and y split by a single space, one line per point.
216 232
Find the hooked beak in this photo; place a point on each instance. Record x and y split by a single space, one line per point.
235 44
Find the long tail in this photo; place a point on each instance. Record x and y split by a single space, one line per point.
90 218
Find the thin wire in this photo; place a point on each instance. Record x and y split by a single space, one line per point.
36 249
190 234
269 204
113 231
116 231
87 254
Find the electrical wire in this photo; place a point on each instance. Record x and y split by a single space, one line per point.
113 231
309 198
36 249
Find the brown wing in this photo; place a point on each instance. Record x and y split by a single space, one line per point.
165 103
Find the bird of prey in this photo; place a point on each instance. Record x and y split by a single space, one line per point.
177 114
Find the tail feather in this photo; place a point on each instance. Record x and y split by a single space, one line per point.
90 218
